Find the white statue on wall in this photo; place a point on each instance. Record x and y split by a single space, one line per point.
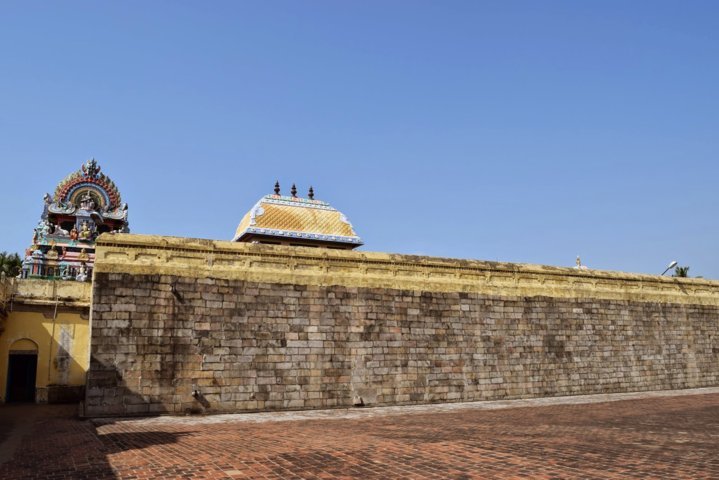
82 275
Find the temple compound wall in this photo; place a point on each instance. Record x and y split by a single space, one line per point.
44 340
182 325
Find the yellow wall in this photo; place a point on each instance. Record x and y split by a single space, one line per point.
55 367
62 338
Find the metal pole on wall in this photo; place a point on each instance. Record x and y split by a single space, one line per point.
52 336
671 265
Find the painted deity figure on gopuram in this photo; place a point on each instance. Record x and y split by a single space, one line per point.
85 204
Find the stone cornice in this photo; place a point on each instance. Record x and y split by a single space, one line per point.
51 292
145 254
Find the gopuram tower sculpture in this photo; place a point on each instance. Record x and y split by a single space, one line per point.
85 204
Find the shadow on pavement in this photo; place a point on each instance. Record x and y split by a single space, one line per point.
50 442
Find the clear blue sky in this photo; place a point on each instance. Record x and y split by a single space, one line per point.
513 131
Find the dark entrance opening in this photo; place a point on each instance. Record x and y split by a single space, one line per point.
21 371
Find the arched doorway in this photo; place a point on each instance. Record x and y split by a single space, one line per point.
21 371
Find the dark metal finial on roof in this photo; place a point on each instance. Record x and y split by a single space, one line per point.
311 194
277 187
294 190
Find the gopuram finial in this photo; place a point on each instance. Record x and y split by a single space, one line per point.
579 265
91 168
277 187
293 191
311 194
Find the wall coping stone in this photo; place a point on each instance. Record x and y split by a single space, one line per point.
202 258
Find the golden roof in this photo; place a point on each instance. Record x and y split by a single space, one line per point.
296 218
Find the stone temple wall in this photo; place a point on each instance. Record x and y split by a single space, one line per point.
259 327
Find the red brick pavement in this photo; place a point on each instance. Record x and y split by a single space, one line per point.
671 437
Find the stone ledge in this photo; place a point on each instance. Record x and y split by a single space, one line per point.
372 412
198 258
51 292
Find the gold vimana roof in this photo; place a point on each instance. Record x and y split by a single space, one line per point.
292 220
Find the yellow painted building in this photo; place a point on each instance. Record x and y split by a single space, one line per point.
44 340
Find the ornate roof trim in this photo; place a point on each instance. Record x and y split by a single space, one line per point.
302 235
88 176
296 202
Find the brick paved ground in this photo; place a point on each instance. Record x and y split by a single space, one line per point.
666 437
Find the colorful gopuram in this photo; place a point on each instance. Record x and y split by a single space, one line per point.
86 203
292 220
